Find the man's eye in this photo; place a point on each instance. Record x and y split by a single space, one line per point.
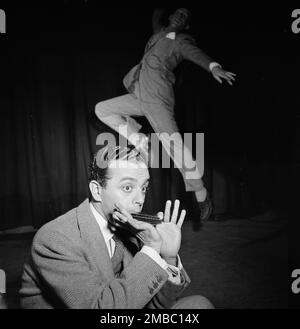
127 188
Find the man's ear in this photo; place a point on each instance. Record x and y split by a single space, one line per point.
96 190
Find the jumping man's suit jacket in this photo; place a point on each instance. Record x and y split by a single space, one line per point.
154 76
69 267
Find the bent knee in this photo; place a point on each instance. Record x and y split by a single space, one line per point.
100 110
194 302
203 302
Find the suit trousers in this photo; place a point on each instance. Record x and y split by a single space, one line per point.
118 114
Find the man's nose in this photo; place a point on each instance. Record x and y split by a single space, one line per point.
139 198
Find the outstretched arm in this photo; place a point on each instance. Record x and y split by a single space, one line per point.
191 52
157 24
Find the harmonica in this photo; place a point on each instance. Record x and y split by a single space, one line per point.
151 219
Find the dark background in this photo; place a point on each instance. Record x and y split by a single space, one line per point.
58 60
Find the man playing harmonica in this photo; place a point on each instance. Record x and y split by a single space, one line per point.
98 256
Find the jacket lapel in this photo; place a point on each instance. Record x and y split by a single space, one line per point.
93 239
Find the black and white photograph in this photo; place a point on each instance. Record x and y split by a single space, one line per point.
145 158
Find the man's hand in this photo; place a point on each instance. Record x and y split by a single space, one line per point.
170 230
219 74
146 232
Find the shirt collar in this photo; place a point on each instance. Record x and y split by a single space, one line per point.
103 225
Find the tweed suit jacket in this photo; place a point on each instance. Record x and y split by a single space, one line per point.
69 267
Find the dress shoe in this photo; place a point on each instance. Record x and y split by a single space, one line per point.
206 209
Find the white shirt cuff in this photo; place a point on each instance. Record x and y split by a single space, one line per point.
2 282
173 271
213 64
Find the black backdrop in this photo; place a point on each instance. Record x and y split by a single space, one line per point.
58 61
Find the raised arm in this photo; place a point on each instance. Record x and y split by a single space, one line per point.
191 52
157 23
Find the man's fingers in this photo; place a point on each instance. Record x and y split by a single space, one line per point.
230 80
230 77
160 215
217 78
231 73
181 218
122 222
119 216
125 216
167 211
224 75
123 211
175 211
131 221
139 225
118 223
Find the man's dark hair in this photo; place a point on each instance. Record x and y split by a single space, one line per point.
98 168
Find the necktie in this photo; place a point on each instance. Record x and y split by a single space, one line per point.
118 254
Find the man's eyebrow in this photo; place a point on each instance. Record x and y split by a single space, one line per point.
134 179
128 178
